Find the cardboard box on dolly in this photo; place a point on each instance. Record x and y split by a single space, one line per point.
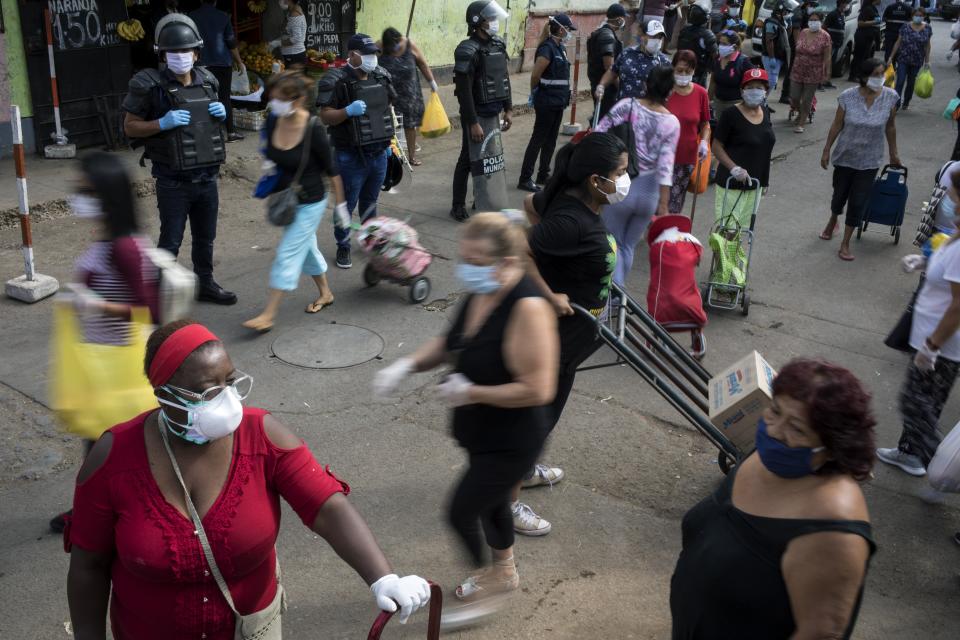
738 397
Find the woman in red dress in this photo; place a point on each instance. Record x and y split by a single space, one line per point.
132 542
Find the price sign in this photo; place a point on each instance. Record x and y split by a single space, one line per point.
79 24
324 20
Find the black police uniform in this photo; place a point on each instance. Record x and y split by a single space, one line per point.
601 43
894 17
483 89
864 39
186 160
362 142
550 98
697 37
836 25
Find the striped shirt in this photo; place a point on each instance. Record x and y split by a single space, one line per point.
295 32
120 272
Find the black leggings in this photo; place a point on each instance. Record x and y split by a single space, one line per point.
851 187
543 141
483 499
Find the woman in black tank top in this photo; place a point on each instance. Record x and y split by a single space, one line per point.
504 351
781 549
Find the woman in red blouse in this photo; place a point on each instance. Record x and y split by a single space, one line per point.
131 534
691 104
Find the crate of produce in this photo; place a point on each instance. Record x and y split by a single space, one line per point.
250 120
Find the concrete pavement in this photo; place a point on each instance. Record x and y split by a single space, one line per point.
633 465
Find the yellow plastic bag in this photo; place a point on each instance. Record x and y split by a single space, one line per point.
95 386
924 85
435 121
889 76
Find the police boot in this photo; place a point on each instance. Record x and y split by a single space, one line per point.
528 185
459 212
210 291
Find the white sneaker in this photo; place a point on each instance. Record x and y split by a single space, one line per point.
527 523
542 474
907 462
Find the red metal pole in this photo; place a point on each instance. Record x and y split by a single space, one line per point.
48 26
576 77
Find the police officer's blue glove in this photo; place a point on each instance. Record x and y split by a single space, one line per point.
356 108
176 118
217 110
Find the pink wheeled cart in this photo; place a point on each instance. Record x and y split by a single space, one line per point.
395 254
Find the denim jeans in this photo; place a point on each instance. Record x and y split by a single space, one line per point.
197 202
906 78
362 176
772 65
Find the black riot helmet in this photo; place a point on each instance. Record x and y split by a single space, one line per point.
697 17
175 32
481 11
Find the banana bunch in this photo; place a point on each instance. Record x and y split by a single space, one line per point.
257 6
131 30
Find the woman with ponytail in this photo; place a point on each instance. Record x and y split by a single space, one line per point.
573 257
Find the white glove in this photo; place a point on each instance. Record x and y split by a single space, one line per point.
740 174
433 86
702 149
410 592
273 44
389 378
455 390
950 54
599 92
913 262
341 216
926 358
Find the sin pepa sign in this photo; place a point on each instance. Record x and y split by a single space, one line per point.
78 24
324 19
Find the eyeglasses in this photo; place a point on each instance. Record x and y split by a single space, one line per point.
241 383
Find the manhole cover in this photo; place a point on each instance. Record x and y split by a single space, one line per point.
328 346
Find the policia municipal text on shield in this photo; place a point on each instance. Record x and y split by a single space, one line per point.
483 91
355 102
175 116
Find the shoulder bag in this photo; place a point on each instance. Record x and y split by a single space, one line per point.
625 132
899 336
282 205
259 625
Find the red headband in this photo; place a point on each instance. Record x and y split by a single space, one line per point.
175 350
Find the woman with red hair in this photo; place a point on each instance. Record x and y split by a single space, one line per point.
781 549
176 512
691 104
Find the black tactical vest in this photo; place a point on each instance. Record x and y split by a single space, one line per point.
376 124
492 74
196 145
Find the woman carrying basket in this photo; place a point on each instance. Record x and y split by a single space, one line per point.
297 251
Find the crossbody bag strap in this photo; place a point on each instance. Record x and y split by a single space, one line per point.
201 534
305 157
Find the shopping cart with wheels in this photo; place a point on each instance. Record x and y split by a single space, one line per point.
395 255
732 246
888 201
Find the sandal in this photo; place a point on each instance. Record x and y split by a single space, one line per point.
848 257
798 129
257 325
416 163
317 306
829 236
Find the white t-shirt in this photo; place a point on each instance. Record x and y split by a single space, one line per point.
935 298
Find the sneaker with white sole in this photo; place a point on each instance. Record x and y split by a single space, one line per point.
907 462
527 523
543 475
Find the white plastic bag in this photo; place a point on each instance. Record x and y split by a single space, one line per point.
943 472
239 82
955 30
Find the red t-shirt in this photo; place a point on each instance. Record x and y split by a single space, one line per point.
162 587
692 111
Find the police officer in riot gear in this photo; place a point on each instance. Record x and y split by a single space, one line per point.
355 102
603 48
176 117
483 91
550 94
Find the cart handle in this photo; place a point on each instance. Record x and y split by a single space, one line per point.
433 623
897 167
753 181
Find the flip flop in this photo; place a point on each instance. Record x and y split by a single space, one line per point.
847 258
829 236
416 163
259 329
321 307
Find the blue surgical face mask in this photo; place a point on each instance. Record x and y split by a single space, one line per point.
478 279
781 460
